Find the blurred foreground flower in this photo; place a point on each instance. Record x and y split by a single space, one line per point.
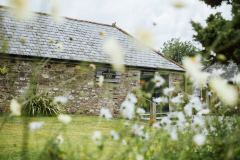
60 99
193 68
33 126
140 111
139 157
178 99
128 106
100 81
55 10
15 108
158 80
114 135
173 134
105 113
64 118
113 49
97 137
145 37
59 139
236 79
227 93
161 100
199 139
20 8
93 66
167 91
194 103
178 4
137 130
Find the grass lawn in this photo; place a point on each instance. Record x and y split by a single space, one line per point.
78 133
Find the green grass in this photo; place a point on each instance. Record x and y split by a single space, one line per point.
77 133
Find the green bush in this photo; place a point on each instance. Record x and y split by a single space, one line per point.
41 105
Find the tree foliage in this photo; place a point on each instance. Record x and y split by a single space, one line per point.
220 36
176 49
215 3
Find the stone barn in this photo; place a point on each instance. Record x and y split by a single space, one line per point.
61 49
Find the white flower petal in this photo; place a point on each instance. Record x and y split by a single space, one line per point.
64 118
15 108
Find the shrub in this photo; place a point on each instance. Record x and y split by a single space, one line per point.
41 105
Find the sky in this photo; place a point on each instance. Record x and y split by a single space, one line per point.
135 15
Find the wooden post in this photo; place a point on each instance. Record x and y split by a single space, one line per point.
152 113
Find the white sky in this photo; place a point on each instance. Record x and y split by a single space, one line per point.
132 15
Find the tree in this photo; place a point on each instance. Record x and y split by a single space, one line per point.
220 38
215 3
176 49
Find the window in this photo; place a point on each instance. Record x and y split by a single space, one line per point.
109 75
147 85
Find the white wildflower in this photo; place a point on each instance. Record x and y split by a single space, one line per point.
212 53
114 135
204 111
139 157
156 125
178 4
167 91
146 136
127 109
199 121
140 111
145 37
199 139
161 100
20 8
193 69
93 66
173 134
165 121
33 126
181 119
137 130
15 108
188 109
59 139
131 98
113 49
209 93
158 80
105 113
128 106
60 99
226 92
100 81
178 99
64 118
97 137
196 102
124 142
217 72
236 79
55 10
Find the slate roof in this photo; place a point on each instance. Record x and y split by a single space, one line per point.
230 69
81 40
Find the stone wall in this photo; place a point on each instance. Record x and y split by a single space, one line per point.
75 81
